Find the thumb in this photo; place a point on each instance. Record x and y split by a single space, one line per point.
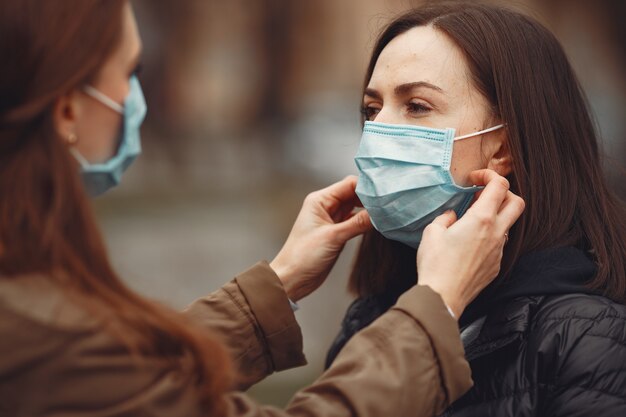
354 226
446 220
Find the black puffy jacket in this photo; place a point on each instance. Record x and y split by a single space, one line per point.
540 344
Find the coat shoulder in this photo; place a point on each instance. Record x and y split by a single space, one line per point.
577 345
580 314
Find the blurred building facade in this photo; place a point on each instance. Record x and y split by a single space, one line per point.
253 104
282 79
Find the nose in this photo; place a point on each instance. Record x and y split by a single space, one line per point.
388 115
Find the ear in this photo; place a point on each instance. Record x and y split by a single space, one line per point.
500 159
66 113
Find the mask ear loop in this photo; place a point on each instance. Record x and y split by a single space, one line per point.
481 132
104 99
81 159
107 101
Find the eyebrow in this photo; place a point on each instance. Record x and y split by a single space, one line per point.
403 89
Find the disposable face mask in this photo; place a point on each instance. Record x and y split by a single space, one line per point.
99 178
405 180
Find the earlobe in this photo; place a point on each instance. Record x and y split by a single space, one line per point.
503 166
65 116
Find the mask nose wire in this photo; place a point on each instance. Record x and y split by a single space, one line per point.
480 132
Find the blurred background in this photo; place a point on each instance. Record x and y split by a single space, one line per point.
254 104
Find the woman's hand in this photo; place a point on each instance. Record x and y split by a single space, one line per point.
458 259
325 223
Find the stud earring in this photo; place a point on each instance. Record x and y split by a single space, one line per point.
72 138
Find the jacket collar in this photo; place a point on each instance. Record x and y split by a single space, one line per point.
564 270
502 313
503 326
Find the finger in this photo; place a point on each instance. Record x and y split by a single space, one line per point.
494 193
511 209
344 209
446 220
354 226
512 199
484 176
338 193
352 213
480 177
440 224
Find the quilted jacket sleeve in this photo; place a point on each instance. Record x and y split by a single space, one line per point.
581 358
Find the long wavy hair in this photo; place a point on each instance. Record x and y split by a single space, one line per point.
521 69
46 221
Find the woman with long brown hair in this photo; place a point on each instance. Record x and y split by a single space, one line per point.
75 341
547 337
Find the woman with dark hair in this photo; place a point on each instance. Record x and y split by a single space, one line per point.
548 336
75 341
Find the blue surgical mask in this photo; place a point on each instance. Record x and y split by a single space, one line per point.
99 178
405 180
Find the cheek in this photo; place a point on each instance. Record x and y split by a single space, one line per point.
98 135
466 157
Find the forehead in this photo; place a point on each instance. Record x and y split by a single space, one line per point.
420 54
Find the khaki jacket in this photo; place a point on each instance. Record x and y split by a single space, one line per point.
56 360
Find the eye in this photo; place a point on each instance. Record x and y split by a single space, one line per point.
417 108
369 112
138 69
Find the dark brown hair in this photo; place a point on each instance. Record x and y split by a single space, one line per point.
47 226
522 70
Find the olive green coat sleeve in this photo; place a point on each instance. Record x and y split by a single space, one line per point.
409 362
415 344
253 317
55 360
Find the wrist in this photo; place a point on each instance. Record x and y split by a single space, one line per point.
285 276
451 312
454 305
452 302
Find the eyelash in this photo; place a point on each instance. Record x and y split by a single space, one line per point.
412 108
368 112
418 108
138 69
